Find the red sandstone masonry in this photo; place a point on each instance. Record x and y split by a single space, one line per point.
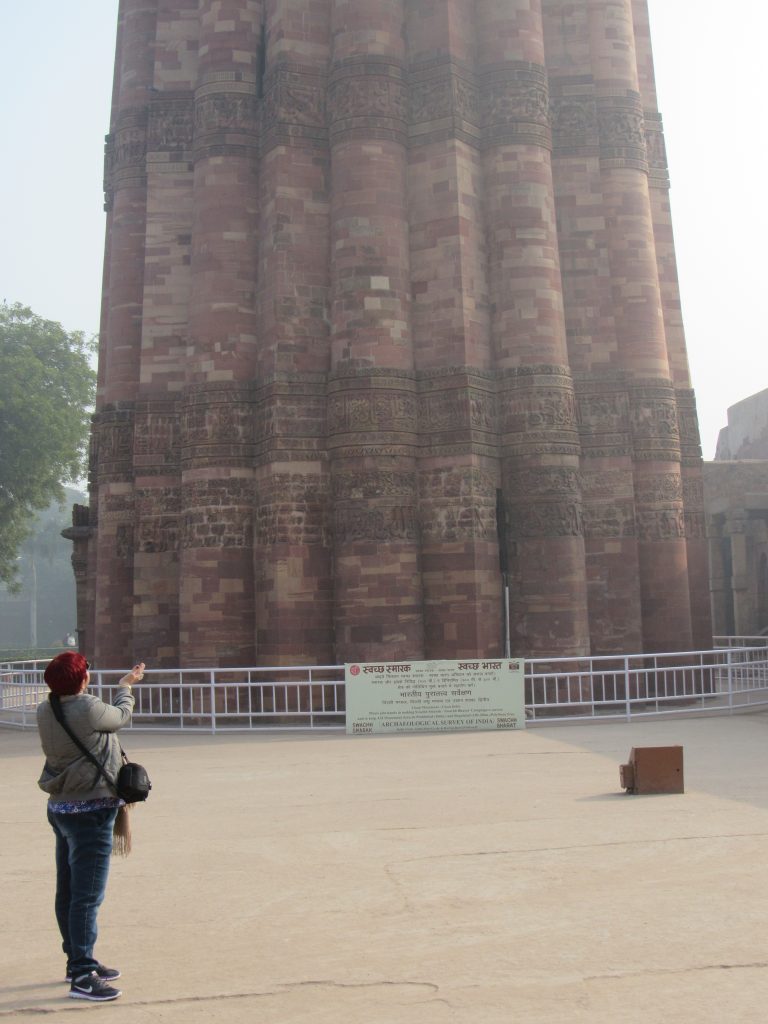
692 465
216 607
640 329
165 337
458 473
111 638
612 561
372 407
293 545
349 294
539 436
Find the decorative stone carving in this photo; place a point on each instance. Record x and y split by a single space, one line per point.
608 519
112 444
295 96
299 524
465 99
603 412
621 126
444 91
543 501
292 509
457 409
368 96
656 147
217 513
536 482
693 491
124 542
157 501
654 426
226 112
370 484
171 125
528 411
374 410
608 485
218 423
158 534
125 153
574 123
515 105
157 436
515 96
545 519
458 483
79 567
387 523
690 440
695 525
430 100
130 142
660 524
660 488
450 523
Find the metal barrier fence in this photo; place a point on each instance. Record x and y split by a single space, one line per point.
741 641
725 679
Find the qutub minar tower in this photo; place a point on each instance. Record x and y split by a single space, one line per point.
390 317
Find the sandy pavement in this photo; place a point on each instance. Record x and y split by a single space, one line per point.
476 877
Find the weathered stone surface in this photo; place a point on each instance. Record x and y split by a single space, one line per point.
391 321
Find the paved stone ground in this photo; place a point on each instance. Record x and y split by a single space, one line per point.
483 878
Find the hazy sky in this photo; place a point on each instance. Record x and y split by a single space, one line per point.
56 61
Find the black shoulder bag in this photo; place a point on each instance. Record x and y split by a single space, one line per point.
132 783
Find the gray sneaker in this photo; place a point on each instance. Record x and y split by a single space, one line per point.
105 973
91 987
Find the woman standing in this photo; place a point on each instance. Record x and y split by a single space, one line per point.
82 808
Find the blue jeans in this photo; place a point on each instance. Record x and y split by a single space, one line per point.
83 851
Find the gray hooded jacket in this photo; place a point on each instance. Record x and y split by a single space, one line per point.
67 773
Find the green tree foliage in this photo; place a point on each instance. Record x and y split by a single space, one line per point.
46 392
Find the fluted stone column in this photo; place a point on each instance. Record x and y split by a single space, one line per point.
720 562
372 407
165 336
691 464
539 433
458 468
217 498
293 552
612 558
113 431
638 314
382 282
87 624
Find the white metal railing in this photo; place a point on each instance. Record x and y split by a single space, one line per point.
202 700
725 679
638 685
741 641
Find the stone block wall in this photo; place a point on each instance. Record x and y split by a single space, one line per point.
391 320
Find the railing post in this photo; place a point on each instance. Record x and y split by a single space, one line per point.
730 680
627 700
213 701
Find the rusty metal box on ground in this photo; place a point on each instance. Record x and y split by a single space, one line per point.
653 770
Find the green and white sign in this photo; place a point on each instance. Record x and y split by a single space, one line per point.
434 696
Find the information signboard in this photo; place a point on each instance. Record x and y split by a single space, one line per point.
434 696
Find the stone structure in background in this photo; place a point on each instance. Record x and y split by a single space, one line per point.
736 500
746 436
390 309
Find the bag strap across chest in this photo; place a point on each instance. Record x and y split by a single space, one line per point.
58 712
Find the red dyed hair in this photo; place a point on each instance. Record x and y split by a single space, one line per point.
65 673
